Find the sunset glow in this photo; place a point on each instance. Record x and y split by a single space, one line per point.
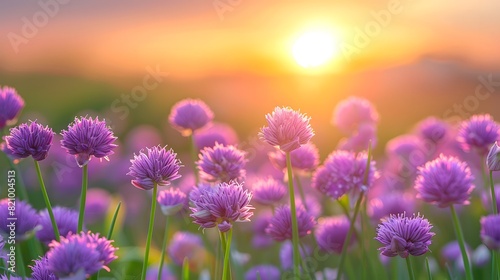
314 48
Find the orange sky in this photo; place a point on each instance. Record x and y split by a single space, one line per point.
189 40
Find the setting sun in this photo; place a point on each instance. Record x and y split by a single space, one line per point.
314 48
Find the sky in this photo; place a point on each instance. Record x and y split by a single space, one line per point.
209 38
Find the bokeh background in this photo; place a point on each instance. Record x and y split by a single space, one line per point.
68 58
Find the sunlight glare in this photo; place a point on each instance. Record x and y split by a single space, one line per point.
314 48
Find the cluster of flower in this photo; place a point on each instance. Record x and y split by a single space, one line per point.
435 164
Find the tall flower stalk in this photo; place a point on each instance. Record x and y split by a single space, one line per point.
33 140
188 116
404 237
221 206
295 228
171 201
150 232
47 201
447 181
156 167
288 130
87 138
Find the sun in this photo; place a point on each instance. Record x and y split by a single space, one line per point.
314 48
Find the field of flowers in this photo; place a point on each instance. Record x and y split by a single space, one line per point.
427 209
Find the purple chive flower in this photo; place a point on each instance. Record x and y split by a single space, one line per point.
26 218
391 203
30 140
103 246
409 151
197 191
343 172
280 226
87 137
478 133
217 133
226 204
493 159
286 252
222 164
404 236
263 272
353 112
80 255
172 201
97 204
189 115
444 181
432 129
287 129
185 244
331 234
490 231
66 221
159 166
41 270
166 274
360 140
2 243
268 191
305 158
10 106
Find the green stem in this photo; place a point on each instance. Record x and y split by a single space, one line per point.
111 228
20 262
429 274
83 197
301 192
225 270
349 235
47 201
194 157
410 268
493 195
293 210
113 221
164 245
356 211
497 259
461 242
494 274
36 247
185 269
150 231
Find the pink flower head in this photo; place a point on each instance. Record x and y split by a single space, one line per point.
286 129
222 164
444 181
353 112
404 236
280 226
478 133
87 137
189 115
222 206
343 172
159 166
